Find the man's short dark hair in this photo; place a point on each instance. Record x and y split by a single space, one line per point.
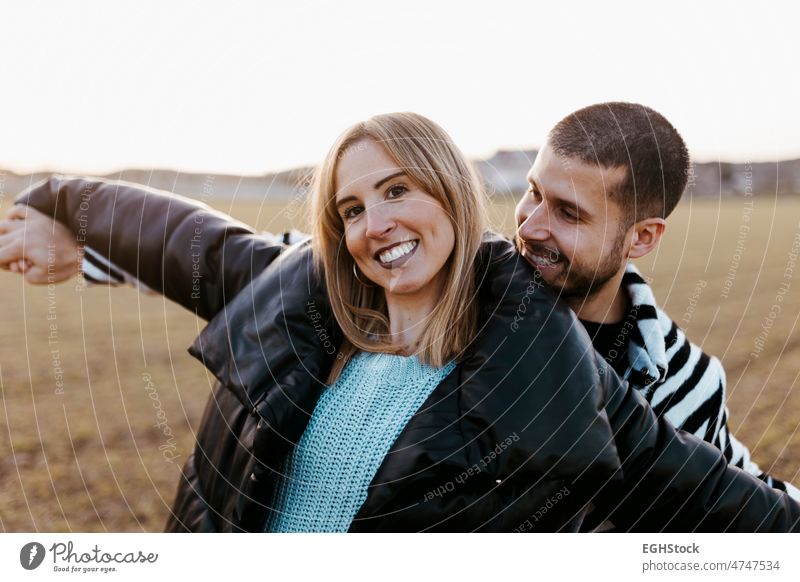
631 136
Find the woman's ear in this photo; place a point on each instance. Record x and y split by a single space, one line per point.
646 236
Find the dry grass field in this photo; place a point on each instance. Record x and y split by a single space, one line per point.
88 375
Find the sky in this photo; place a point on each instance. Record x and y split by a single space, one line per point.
250 87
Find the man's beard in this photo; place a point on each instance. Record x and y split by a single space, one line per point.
576 281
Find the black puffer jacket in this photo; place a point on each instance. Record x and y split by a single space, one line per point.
529 429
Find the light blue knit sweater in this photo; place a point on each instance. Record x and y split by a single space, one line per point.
355 423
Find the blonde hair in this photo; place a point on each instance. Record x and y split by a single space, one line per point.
430 159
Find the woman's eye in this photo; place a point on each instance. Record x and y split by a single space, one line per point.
351 212
396 191
533 193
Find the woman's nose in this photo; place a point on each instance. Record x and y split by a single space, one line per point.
380 221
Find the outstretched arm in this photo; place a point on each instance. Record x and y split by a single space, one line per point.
692 392
735 451
98 270
702 411
194 255
673 481
738 455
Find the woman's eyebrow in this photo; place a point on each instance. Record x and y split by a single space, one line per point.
345 200
377 185
382 181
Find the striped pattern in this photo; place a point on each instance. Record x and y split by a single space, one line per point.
682 383
98 270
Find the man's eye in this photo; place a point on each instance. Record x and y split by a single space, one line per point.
569 214
396 191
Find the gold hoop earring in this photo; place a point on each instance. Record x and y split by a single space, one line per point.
355 273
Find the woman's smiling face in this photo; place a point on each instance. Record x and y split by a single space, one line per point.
399 235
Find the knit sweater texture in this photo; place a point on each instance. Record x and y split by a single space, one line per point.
325 478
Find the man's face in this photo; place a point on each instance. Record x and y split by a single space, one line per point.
568 228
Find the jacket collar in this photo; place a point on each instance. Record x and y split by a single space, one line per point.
282 320
650 359
279 321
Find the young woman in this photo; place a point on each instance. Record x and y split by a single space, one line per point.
404 370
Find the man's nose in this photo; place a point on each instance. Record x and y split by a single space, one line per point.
533 222
380 221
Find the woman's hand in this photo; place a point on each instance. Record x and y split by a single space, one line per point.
40 248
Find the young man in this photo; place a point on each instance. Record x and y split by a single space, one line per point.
599 193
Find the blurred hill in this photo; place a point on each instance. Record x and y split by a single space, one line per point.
504 173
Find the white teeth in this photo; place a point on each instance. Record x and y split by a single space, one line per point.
544 262
395 253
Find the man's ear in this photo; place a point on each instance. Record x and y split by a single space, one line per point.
646 236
